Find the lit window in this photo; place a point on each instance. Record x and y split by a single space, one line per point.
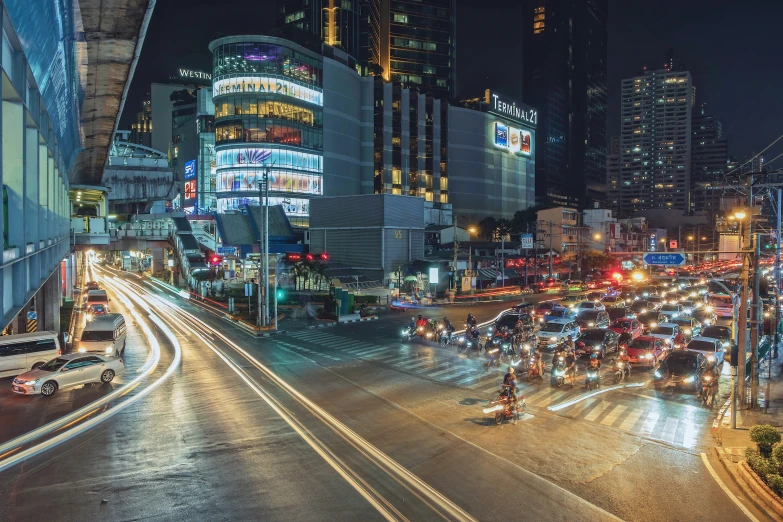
428 69
400 18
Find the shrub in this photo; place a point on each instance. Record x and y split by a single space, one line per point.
323 314
369 299
765 436
775 482
777 452
763 467
319 298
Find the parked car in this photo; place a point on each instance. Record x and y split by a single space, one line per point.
646 350
96 310
640 306
595 296
680 369
649 320
630 326
555 331
688 306
523 307
570 301
704 316
597 341
66 371
721 333
655 301
544 307
592 319
91 285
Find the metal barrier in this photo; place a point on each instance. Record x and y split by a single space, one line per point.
364 285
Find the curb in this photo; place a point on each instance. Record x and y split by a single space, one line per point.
751 490
372 318
719 418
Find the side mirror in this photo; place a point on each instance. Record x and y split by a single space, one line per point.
64 369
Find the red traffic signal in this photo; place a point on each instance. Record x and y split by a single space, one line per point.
293 257
324 256
216 260
309 257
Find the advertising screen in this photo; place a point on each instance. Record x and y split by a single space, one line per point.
190 169
190 189
516 141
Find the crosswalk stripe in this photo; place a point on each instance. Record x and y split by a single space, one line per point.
539 393
474 376
669 429
631 419
485 380
649 424
690 434
597 411
422 362
579 407
551 398
351 345
365 351
613 415
460 373
442 372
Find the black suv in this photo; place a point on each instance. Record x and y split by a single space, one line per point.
597 341
592 319
680 369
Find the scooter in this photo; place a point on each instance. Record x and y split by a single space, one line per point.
593 379
708 390
558 372
504 409
622 371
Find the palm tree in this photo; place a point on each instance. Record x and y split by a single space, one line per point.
300 271
320 271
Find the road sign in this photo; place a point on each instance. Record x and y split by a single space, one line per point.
664 258
226 251
527 241
32 316
672 244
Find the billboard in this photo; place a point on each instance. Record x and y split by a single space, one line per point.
190 169
190 190
516 141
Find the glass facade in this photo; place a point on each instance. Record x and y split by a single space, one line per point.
267 92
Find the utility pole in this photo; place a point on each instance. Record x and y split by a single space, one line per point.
263 269
535 255
550 247
742 334
502 261
456 248
579 246
777 281
755 319
527 231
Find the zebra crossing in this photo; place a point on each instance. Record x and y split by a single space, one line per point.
655 421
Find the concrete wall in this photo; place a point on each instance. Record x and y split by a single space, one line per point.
483 179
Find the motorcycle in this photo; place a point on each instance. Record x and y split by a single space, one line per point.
593 379
504 409
558 372
532 369
493 358
446 338
622 371
708 390
409 333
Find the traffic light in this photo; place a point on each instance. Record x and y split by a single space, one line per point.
280 294
293 257
309 257
324 256
216 260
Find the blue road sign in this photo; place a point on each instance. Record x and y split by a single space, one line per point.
32 316
226 251
664 258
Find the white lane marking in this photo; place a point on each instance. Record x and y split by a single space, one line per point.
424 361
631 419
726 489
446 370
613 415
459 373
649 424
669 429
690 435
597 411
581 406
551 398
584 396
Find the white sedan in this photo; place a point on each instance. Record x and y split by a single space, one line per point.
555 331
66 371
665 331
590 305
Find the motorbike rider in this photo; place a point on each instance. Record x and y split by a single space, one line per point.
421 322
412 324
539 363
679 339
594 364
559 350
474 332
448 328
471 321
712 383
570 365
626 361
510 385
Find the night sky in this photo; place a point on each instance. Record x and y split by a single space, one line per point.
731 48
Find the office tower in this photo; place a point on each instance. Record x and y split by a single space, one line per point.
564 77
613 174
334 22
709 158
414 43
655 140
141 129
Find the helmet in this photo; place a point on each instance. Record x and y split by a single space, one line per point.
419 316
510 370
445 319
594 356
622 352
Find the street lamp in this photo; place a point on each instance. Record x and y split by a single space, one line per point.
597 236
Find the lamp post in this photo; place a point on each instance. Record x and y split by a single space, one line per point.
263 276
471 231
742 325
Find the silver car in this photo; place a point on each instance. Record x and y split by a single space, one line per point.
66 371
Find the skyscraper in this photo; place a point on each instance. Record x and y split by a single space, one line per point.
414 43
710 155
564 77
334 22
613 173
655 140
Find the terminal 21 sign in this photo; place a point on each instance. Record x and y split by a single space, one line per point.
502 106
267 85
516 141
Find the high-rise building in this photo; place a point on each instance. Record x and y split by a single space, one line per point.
613 173
141 129
564 77
415 43
709 158
655 140
334 22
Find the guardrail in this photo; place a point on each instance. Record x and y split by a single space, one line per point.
364 285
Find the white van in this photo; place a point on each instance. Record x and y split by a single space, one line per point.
104 334
96 297
24 352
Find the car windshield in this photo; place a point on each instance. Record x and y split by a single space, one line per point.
587 305
53 365
655 299
687 304
638 306
97 308
571 298
546 306
610 299
622 323
716 332
669 308
557 313
702 346
97 335
508 320
641 344
588 315
552 327
593 335
681 362
663 330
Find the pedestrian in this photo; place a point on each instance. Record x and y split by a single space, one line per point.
310 310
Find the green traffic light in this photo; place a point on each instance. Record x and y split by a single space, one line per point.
280 294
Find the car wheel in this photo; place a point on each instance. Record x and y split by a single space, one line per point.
107 376
37 365
48 388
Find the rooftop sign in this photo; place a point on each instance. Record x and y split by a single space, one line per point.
508 108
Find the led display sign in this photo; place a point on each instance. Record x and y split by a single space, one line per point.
196 75
190 190
516 141
508 108
190 169
268 85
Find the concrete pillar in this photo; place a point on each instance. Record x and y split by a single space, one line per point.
34 212
158 259
14 179
49 304
69 275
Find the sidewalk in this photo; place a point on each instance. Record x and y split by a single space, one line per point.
732 443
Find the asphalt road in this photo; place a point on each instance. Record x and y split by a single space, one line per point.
347 423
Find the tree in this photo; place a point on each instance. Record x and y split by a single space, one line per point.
527 217
487 227
595 259
503 228
319 271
